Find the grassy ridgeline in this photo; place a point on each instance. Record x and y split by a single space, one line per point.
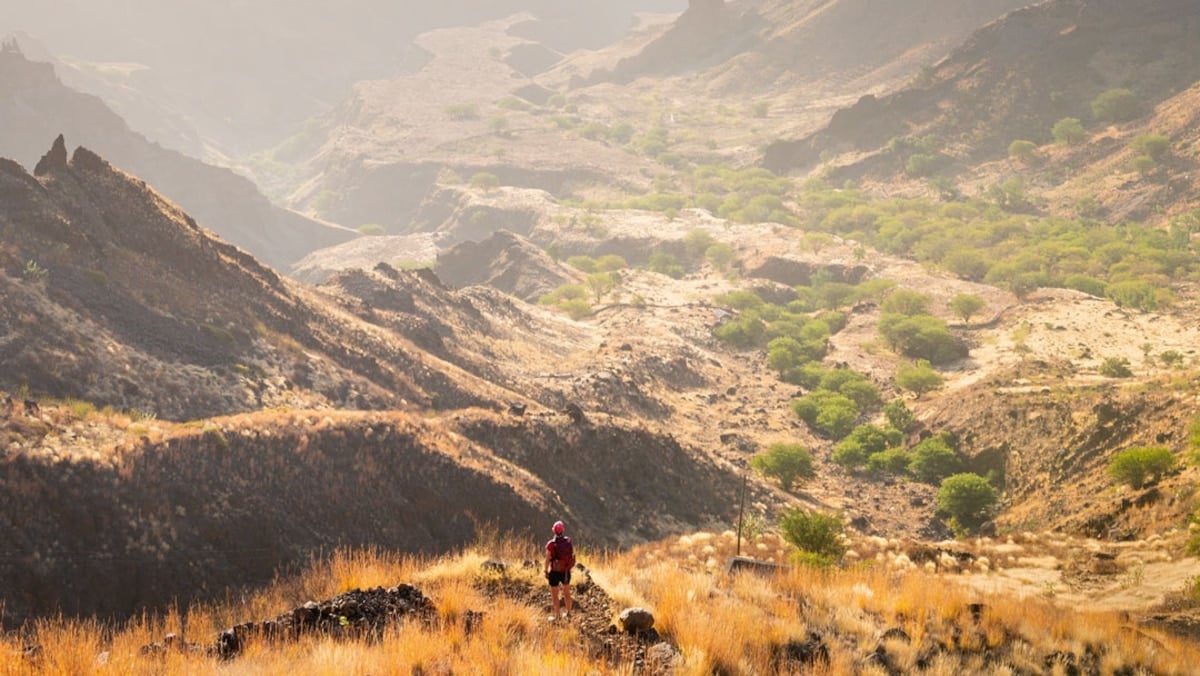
718 623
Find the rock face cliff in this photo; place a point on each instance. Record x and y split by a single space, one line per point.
35 107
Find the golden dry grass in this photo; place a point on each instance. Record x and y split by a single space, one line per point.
720 623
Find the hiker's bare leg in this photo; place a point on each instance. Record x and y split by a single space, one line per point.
554 601
566 599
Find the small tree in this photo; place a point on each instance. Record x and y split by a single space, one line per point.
1115 105
1154 146
720 254
601 283
1022 151
898 415
905 302
610 263
933 460
1069 131
785 462
918 378
967 498
966 305
1132 467
814 532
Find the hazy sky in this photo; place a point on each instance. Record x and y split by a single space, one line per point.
246 72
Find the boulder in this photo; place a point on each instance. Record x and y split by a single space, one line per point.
636 620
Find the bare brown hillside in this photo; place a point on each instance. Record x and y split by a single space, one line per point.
1014 79
115 296
132 514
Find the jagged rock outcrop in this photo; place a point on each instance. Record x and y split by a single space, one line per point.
54 159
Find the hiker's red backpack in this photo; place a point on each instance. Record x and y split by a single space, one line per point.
563 557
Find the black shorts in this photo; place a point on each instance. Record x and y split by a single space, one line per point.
557 578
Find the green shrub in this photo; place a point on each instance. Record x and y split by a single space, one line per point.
1069 131
828 412
485 180
1144 165
720 254
760 109
1154 146
576 308
968 264
814 532
610 263
918 378
921 337
967 498
744 332
933 460
582 263
740 300
966 305
785 462
1115 367
889 461
1023 151
921 165
696 242
1134 294
462 111
371 230
786 354
666 264
1115 105
1088 285
1134 466
865 440
905 302
898 415
601 283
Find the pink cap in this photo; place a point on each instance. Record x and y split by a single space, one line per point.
559 527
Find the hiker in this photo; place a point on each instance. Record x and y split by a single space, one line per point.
560 558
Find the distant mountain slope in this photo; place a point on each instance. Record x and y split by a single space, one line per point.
35 107
753 47
1014 79
246 74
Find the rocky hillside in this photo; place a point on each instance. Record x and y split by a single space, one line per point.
115 296
1014 79
35 107
772 47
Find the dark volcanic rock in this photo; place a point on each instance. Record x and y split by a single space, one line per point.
55 158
